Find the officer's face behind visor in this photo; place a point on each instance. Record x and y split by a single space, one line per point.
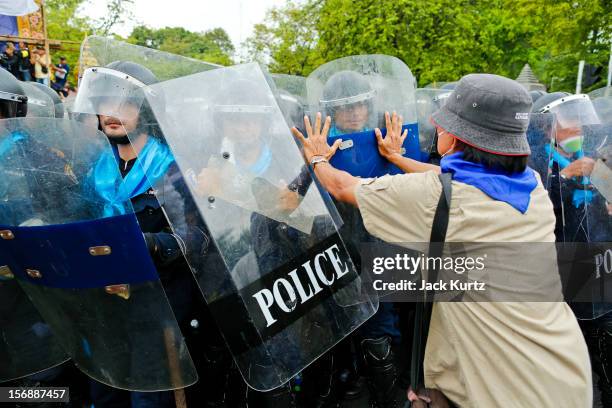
352 117
572 113
245 132
113 126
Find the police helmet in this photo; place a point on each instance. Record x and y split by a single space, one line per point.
57 102
13 99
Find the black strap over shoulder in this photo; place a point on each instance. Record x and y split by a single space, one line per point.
423 310
440 221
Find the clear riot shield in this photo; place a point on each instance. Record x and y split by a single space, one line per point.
356 91
429 100
602 172
277 277
40 105
541 135
100 51
291 97
73 244
586 212
27 345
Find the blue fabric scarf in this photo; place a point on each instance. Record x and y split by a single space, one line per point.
335 131
261 165
513 189
152 163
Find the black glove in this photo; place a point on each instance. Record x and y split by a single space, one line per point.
165 247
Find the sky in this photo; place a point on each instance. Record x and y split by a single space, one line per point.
237 17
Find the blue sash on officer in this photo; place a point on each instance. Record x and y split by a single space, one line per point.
152 163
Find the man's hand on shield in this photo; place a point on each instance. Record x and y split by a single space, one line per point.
316 143
392 143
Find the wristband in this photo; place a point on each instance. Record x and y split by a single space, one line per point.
317 159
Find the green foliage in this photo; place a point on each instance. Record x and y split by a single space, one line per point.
64 24
440 40
117 12
211 46
287 39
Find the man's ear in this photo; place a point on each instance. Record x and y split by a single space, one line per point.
454 145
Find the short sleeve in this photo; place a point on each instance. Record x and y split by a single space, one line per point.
400 208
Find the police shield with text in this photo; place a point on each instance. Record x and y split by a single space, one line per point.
288 284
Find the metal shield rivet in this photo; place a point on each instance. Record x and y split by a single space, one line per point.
33 273
123 290
100 250
211 199
226 155
6 273
7 234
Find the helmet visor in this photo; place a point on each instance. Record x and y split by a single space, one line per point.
574 111
107 92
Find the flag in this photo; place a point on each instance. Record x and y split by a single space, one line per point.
17 7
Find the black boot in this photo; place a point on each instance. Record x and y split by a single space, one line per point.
280 397
214 374
382 373
321 383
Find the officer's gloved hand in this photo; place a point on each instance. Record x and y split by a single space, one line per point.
165 247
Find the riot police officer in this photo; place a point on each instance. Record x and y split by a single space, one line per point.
112 94
582 213
348 98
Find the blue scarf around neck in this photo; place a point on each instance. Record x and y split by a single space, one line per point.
152 163
514 189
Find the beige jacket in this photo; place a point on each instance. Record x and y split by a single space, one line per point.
486 354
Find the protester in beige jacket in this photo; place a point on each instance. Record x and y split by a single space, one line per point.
478 354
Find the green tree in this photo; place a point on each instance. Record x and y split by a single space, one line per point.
64 23
287 41
117 12
211 46
440 40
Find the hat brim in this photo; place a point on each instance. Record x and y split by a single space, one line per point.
504 144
